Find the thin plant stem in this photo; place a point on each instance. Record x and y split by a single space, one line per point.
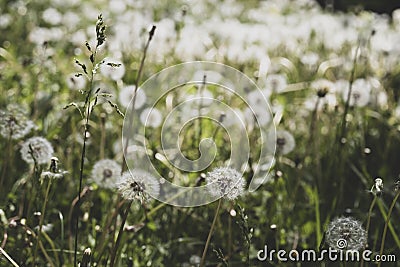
371 207
137 81
41 221
317 217
99 249
8 257
230 234
120 232
382 209
7 156
103 135
386 225
203 257
342 133
83 154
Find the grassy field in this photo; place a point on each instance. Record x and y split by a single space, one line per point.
303 106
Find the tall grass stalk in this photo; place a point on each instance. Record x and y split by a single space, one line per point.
203 257
41 221
371 207
7 156
120 232
136 86
100 31
386 225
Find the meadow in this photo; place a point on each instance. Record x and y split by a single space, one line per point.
283 131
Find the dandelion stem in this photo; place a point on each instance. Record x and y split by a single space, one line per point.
387 224
41 221
137 80
120 232
203 257
6 157
371 207
317 216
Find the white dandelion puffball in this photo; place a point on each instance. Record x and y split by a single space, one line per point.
52 16
137 184
106 173
346 233
360 93
225 182
76 83
115 73
13 122
126 96
276 83
285 142
39 147
151 117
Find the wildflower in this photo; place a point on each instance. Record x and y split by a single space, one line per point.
106 173
225 182
113 69
232 117
137 184
360 93
126 96
258 99
285 142
258 115
14 123
377 188
194 260
36 149
151 117
76 82
310 59
323 87
397 185
346 233
276 83
54 172
52 16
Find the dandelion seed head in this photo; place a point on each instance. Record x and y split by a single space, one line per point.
276 83
127 94
310 59
106 173
151 117
225 182
76 83
323 87
115 73
194 259
14 123
138 184
349 229
377 188
52 16
360 93
39 148
285 142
